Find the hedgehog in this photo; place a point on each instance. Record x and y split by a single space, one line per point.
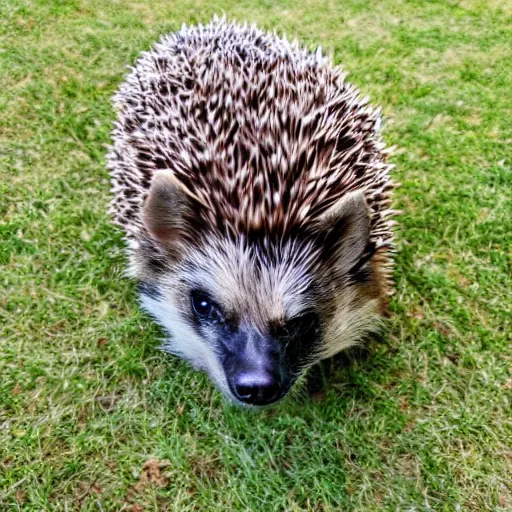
254 192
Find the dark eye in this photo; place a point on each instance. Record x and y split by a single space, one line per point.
202 304
304 325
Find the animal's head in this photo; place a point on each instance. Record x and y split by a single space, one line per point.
253 310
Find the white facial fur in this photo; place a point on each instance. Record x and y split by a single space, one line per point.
184 341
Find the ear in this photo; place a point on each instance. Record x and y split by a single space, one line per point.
164 207
346 225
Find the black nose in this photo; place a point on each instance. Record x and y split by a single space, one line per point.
257 387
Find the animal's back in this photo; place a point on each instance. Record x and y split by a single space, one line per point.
265 134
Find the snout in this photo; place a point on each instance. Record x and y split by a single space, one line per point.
258 386
255 366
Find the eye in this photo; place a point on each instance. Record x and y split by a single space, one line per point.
303 325
202 305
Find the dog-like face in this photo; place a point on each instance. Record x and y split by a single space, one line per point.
244 318
256 315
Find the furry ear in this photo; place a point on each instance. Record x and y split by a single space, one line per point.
165 206
346 228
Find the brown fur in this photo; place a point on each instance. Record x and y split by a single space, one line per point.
249 165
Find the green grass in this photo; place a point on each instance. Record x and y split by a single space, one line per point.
421 421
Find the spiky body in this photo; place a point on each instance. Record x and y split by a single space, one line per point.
265 138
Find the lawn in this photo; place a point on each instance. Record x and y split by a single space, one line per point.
94 417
